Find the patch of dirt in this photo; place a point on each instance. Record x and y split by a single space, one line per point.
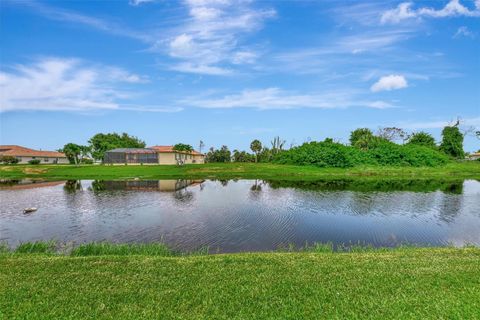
6 168
34 170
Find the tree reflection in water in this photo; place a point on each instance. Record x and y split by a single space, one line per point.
72 186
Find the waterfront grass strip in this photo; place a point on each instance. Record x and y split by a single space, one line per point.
454 170
409 283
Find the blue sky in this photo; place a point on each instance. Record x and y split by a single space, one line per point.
227 71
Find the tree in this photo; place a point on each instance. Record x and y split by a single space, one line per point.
393 134
256 147
266 155
277 145
363 134
242 156
221 155
422 139
72 151
102 142
201 145
85 154
452 141
183 147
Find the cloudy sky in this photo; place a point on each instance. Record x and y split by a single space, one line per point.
227 71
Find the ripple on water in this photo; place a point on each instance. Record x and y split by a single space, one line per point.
240 216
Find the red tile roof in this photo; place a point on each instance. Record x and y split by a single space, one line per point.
169 149
14 150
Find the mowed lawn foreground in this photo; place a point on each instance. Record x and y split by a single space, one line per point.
430 283
453 170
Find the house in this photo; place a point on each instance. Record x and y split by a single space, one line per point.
474 156
166 155
25 154
152 155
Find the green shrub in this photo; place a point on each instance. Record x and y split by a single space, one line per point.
379 152
34 161
86 161
8 160
321 154
452 142
361 134
391 154
422 139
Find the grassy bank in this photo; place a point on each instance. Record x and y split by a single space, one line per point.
429 283
459 170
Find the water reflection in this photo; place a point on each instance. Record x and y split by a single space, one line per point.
419 185
72 186
143 185
239 215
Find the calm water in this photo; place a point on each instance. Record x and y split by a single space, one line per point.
243 215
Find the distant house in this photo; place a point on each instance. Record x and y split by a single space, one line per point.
166 155
474 156
152 155
25 154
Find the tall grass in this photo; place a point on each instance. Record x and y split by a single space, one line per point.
162 250
127 249
48 247
98 249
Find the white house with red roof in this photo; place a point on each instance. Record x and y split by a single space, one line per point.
26 154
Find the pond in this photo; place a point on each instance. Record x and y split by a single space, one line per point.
242 215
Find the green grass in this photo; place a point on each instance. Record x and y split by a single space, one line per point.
405 283
454 170
37 247
105 248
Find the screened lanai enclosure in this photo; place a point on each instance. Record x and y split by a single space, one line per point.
131 155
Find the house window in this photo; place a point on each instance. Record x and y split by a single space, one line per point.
45 160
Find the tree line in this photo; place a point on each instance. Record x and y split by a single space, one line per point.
375 148
388 141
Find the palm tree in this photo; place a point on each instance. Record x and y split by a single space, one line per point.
277 145
256 147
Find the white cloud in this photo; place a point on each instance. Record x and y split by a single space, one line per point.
405 11
210 38
275 98
63 84
402 12
139 2
390 82
69 16
464 32
244 57
201 69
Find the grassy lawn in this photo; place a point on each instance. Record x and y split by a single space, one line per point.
458 170
406 283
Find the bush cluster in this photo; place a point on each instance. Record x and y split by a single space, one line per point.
385 153
8 160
